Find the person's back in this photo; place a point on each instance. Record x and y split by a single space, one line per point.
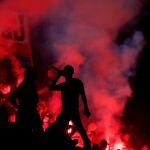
70 96
27 95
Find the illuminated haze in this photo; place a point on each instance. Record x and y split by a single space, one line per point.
82 33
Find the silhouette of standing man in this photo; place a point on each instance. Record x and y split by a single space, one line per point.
28 121
71 89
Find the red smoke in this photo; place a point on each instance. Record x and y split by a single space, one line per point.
88 45
32 8
16 19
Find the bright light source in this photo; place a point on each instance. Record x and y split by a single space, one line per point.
5 89
119 146
69 130
70 122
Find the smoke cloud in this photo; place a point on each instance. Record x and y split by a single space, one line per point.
86 40
82 33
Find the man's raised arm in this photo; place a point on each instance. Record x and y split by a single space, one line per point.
53 85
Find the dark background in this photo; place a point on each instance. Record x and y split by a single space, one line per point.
136 115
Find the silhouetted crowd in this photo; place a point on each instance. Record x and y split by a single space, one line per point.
27 130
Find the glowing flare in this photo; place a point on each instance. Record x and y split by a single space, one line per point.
69 130
119 146
70 122
6 89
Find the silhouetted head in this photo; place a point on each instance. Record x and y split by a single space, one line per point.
68 71
30 73
103 144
